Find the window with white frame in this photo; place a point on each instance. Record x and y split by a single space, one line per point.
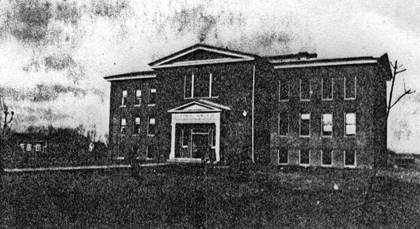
350 124
350 87
200 85
152 99
283 124
28 147
38 147
283 156
304 157
327 88
137 125
138 98
327 124
124 95
123 129
305 125
349 158
284 90
22 146
326 157
305 89
151 130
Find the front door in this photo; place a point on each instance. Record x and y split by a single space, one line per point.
200 142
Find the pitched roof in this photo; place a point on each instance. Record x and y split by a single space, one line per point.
131 75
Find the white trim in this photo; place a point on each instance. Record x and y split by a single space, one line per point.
131 77
306 65
253 113
214 104
322 90
355 124
322 157
355 160
192 84
210 85
160 64
278 157
202 62
300 125
309 157
355 89
300 91
288 91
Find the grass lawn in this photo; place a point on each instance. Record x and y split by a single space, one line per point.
161 198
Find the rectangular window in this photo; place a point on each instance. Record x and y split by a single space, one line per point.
202 85
283 156
326 157
152 100
350 87
349 158
137 126
185 136
350 124
215 84
305 89
283 124
22 146
138 98
327 124
305 125
213 137
304 157
124 95
327 88
151 130
123 128
284 90
188 82
28 147
38 147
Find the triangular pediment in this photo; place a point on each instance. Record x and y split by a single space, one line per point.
201 54
200 106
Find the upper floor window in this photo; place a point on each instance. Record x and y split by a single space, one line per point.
138 98
123 128
327 124
283 124
305 125
284 90
137 125
199 85
350 124
327 88
28 147
151 130
124 95
350 87
38 147
305 89
152 100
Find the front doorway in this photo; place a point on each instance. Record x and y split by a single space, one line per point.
192 140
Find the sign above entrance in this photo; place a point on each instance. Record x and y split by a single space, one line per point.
200 106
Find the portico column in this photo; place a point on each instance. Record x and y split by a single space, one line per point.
217 140
172 154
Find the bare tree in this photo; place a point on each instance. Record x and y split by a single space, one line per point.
5 122
397 69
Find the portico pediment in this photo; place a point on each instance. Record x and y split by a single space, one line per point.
200 106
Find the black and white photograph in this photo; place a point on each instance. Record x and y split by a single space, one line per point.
209 114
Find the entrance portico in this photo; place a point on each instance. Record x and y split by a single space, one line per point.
195 128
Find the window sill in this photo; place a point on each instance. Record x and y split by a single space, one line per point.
305 100
326 136
326 166
151 105
349 99
280 163
303 165
123 106
326 100
137 105
150 135
350 166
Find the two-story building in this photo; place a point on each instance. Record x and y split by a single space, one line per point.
285 110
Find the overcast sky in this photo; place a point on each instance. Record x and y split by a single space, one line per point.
55 53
